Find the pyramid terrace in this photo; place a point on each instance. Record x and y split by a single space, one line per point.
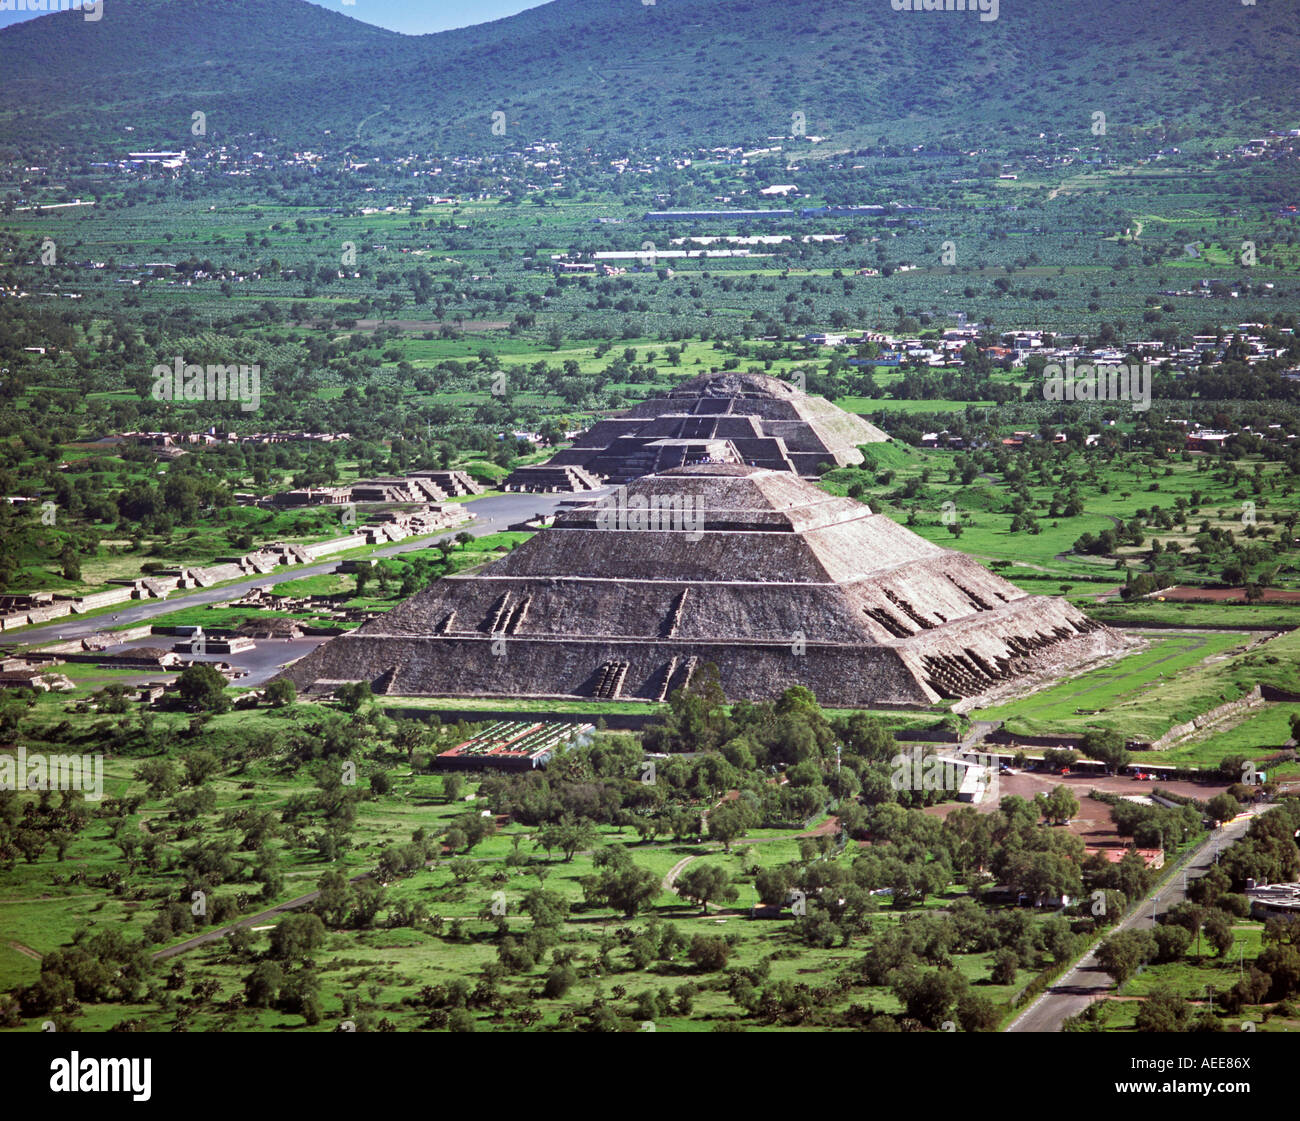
742 419
772 580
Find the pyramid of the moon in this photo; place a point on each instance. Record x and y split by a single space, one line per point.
722 418
757 571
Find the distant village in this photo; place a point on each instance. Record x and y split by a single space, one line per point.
1018 347
548 166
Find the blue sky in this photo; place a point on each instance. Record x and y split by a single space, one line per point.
414 17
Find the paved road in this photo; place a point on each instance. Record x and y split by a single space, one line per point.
259 919
1087 981
492 515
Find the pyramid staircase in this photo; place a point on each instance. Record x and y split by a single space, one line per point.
612 675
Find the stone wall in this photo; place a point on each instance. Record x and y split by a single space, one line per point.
534 667
1253 699
102 599
334 545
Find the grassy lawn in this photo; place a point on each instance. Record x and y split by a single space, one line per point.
1198 978
1121 695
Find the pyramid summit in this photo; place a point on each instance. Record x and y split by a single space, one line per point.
757 571
723 418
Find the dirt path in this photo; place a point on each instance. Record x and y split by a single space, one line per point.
677 869
830 826
26 951
827 828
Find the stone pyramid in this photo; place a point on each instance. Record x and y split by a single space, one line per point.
755 570
729 418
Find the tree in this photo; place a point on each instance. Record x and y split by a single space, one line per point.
1251 989
929 997
456 840
1172 942
1222 807
408 735
632 890
706 882
1106 746
334 903
620 883
199 766
474 828
203 688
1218 930
1122 953
547 909
296 936
559 981
773 883
160 777
709 953
98 967
569 836
300 993
281 693
1165 1011
1207 889
70 564
977 1013
32 843
353 695
1006 962
726 823
262 986
1059 806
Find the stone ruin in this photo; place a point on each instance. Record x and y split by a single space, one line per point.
755 570
546 477
743 419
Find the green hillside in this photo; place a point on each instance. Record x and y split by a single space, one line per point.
676 72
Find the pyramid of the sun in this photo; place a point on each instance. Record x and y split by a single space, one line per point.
757 571
729 418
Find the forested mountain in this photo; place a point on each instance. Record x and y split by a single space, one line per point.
672 73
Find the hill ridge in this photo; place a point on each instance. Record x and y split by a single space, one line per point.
674 73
